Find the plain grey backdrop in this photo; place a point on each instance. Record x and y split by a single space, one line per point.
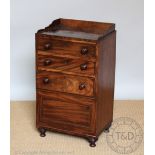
27 16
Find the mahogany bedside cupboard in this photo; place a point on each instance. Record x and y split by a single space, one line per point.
75 74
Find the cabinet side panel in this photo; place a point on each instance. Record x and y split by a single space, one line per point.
105 81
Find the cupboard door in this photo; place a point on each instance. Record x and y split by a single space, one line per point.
65 112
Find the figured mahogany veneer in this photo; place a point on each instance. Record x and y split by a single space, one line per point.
66 112
58 64
75 74
65 83
47 44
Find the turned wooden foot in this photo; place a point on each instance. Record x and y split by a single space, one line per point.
42 132
92 141
106 130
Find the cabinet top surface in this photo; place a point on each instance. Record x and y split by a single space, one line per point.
73 34
77 29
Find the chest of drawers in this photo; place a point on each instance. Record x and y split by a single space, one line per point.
75 72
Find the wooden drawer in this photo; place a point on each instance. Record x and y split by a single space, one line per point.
65 112
52 63
65 83
65 48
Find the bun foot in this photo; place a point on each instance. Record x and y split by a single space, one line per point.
42 132
106 130
92 141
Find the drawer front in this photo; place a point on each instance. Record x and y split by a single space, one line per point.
65 112
65 83
65 48
65 64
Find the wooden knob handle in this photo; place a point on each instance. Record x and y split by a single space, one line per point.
83 66
84 51
46 80
82 86
47 46
47 62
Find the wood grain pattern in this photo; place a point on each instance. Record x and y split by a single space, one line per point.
52 63
65 83
61 47
105 81
75 74
66 112
56 53
88 27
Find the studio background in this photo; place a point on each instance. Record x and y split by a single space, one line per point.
27 16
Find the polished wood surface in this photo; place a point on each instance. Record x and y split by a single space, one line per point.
75 73
62 47
84 30
105 81
73 34
66 111
65 83
52 63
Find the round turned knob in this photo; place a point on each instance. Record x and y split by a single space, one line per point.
83 66
47 62
47 46
82 86
84 51
46 80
